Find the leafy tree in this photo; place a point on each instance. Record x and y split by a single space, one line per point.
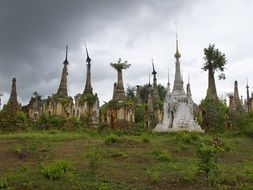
119 66
214 61
130 92
162 92
144 92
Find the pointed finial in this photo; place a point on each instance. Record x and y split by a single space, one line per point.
168 76
177 54
153 72
88 59
189 78
149 79
66 56
247 83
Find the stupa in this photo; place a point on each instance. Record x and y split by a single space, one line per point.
178 105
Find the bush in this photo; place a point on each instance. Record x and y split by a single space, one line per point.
214 114
145 138
207 154
57 169
154 175
3 183
116 154
93 154
188 138
139 114
112 138
162 156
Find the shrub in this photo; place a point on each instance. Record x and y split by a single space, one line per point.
189 172
188 138
18 150
162 156
215 113
139 114
116 154
112 138
207 154
93 154
145 138
154 175
57 169
3 183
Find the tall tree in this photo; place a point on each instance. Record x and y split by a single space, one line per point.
130 92
214 61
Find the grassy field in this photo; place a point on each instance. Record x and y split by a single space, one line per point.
100 159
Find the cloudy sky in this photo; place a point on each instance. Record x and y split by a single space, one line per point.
34 33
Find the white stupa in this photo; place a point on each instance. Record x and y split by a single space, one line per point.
178 106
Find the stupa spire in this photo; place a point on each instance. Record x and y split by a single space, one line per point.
154 71
63 89
248 102
188 88
88 88
155 92
178 82
168 84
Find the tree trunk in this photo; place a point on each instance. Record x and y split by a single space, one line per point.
211 83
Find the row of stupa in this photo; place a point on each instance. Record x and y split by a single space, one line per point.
86 105
177 112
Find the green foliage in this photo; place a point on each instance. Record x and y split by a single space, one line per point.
3 183
75 121
18 149
214 60
189 172
144 92
56 121
119 66
145 138
130 92
50 121
139 113
162 156
162 92
159 105
188 138
154 175
93 154
116 154
244 122
22 118
111 138
214 113
57 169
207 154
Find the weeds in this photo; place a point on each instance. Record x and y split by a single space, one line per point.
162 156
57 169
154 175
145 138
207 154
112 138
116 154
93 154
3 183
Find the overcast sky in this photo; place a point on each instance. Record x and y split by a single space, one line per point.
34 33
